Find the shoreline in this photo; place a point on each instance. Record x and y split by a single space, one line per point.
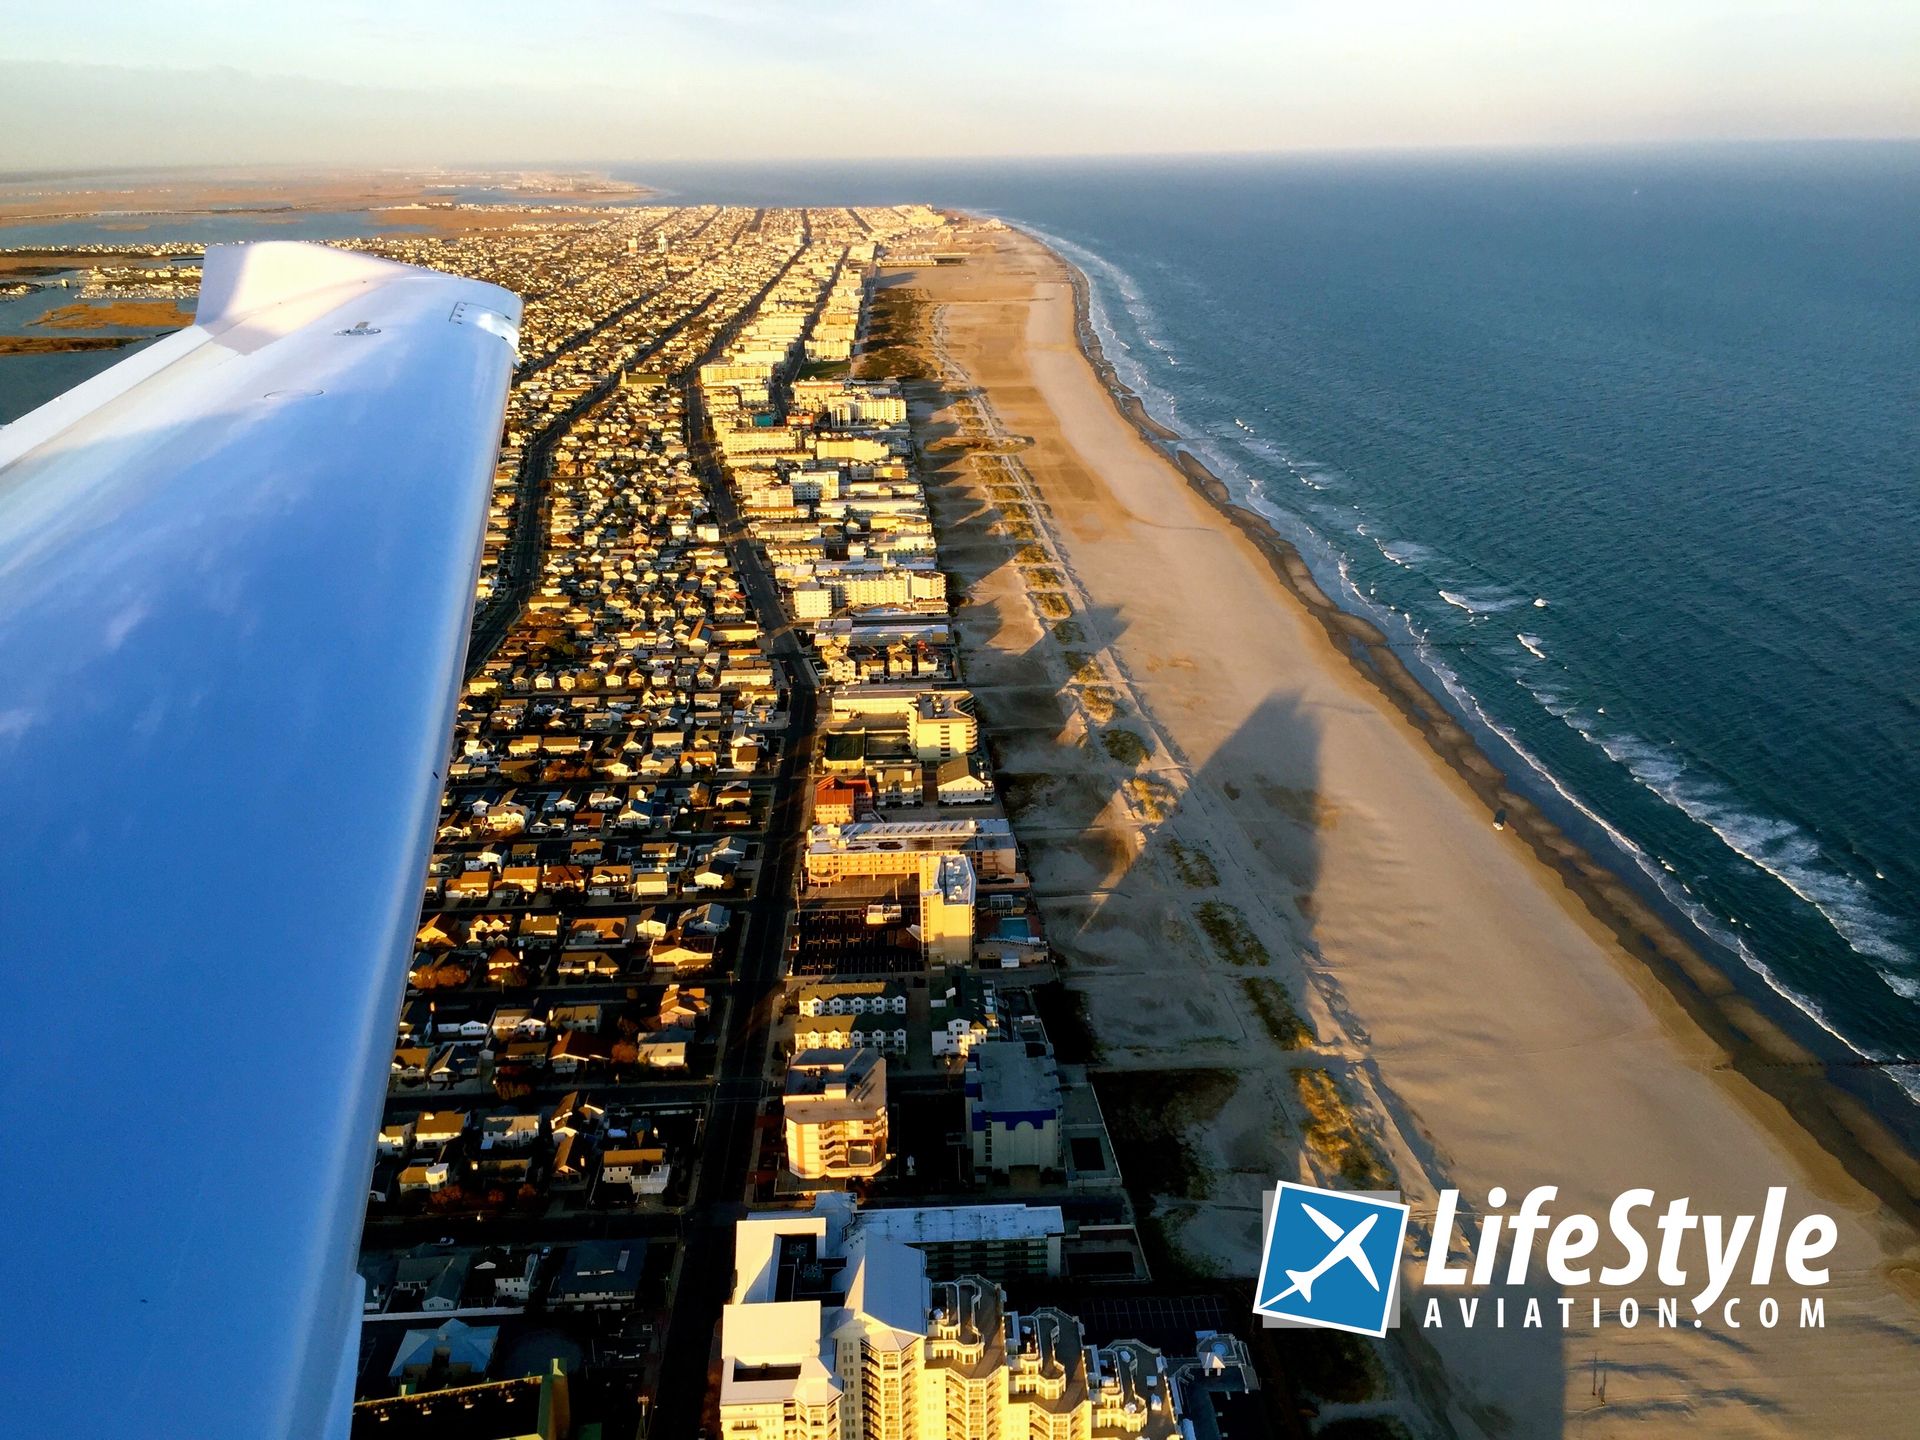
1756 1046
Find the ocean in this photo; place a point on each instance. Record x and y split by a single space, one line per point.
1622 446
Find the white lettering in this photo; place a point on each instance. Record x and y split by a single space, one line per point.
1721 1258
1486 1253
1523 1227
1673 1227
1769 1312
1532 1320
1629 1312
1726 1315
1622 1226
1813 1312
1574 1238
1439 1272
1769 1234
1802 1246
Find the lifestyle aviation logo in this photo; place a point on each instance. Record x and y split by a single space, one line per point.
1330 1259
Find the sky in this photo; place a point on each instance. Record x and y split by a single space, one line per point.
90 83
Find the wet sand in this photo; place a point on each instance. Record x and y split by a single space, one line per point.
1470 990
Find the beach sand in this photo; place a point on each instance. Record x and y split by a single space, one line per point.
1292 836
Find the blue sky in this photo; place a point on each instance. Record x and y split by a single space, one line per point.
87 82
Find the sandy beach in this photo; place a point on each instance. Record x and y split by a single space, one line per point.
1236 825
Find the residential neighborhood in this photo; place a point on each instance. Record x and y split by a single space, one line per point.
726 929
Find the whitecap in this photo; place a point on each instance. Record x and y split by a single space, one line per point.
1535 646
1484 603
1779 847
1407 554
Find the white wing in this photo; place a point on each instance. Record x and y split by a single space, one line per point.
1359 1258
1326 1226
236 577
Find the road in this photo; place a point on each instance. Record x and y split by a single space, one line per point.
706 1261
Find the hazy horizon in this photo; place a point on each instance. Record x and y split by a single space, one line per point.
207 82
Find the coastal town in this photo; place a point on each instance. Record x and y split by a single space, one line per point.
863 983
725 1096
915 863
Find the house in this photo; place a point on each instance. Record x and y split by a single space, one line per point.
681 1006
517 883
711 918
598 932
455 1351
504 1167
439 1127
507 1276
685 952
424 1177
516 1022
569 1170
598 1274
576 1050
576 1017
587 965
539 931
471 886
644 1170
958 782
396 1139
610 882
512 1132
715 874
963 1013
838 799
663 1049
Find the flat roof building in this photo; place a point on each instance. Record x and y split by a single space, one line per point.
1013 1106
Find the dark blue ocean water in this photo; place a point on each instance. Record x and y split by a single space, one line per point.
1624 445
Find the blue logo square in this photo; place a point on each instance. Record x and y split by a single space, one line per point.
1331 1259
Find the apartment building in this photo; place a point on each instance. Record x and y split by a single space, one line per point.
835 1114
1014 1107
937 724
835 1332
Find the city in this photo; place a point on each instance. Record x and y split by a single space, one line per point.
723 1050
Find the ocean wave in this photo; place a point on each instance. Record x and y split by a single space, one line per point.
1139 311
1407 554
1663 876
1779 847
1483 603
1534 645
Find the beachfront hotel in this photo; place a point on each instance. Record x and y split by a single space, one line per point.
835 1332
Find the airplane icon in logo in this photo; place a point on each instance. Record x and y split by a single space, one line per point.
1328 1259
1348 1248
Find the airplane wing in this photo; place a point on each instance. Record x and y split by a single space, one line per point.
236 578
1353 1252
1324 1225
